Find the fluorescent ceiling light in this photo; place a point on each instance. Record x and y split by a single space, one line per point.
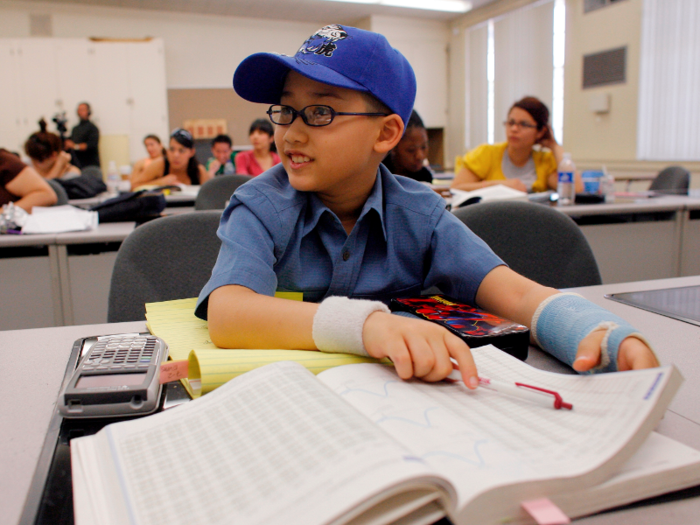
452 6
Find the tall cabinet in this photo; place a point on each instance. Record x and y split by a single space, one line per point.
124 82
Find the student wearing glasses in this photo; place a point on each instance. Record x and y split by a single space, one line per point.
178 166
334 224
517 162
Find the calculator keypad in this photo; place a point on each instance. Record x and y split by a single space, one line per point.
118 354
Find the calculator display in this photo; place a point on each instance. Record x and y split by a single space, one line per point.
110 380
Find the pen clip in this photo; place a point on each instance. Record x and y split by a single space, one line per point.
558 401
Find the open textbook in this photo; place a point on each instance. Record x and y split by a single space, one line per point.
356 444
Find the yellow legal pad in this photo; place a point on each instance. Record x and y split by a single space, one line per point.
210 366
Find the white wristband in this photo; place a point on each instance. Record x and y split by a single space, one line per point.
339 321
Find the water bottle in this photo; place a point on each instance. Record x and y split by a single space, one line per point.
565 180
113 177
607 185
124 179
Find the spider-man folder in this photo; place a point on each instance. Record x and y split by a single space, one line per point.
476 327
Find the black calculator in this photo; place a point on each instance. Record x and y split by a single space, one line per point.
117 375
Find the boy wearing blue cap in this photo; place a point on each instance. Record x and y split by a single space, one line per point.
333 223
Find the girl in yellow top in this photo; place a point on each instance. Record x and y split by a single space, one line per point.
515 163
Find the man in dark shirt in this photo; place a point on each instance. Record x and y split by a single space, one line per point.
84 138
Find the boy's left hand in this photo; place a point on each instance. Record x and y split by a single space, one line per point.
632 355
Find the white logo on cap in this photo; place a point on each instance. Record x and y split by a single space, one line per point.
322 42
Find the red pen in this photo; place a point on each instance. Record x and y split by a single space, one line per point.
534 394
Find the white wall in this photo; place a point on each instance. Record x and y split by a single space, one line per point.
425 44
201 51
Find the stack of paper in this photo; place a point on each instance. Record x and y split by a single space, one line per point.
60 219
489 193
210 366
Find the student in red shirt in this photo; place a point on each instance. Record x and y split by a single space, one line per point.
262 157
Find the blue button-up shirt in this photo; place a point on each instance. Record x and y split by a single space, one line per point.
405 241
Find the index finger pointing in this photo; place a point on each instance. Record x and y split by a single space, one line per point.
460 352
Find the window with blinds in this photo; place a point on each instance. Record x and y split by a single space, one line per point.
510 57
669 84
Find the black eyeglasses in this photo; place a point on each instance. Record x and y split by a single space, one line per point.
315 115
518 124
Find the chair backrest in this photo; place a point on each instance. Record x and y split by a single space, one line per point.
674 180
60 192
534 240
216 192
167 258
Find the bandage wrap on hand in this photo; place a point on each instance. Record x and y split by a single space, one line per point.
562 321
338 324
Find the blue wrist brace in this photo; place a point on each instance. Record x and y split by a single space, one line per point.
562 321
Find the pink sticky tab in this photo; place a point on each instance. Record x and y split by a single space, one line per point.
545 512
173 370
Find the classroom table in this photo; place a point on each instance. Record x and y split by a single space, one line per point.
59 278
185 197
36 360
636 239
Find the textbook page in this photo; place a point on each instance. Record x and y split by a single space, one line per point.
483 440
271 446
660 466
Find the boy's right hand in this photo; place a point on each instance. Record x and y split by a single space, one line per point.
418 348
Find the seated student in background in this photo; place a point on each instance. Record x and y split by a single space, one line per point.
263 156
515 163
155 151
45 150
409 156
22 185
179 166
222 161
333 223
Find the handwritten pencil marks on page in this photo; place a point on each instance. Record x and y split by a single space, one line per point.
481 438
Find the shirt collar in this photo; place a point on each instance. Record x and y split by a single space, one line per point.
374 202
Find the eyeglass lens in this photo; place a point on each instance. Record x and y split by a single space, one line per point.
519 124
311 115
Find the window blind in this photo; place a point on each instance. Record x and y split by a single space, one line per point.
668 126
523 47
523 59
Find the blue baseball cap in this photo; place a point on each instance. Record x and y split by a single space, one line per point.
337 55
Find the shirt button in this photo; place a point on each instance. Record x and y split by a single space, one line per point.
346 255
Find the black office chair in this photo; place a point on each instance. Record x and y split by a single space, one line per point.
674 180
216 192
534 240
168 258
60 192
